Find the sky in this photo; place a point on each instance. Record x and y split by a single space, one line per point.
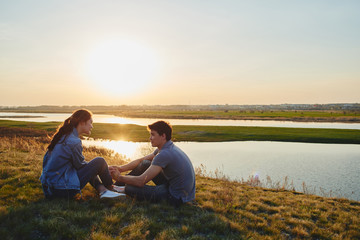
114 52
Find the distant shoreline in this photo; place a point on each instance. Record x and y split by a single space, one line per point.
290 115
295 119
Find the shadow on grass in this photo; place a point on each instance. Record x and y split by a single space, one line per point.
92 218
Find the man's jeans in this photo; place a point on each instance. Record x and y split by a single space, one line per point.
90 173
150 193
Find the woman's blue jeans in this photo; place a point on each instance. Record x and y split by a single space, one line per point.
90 173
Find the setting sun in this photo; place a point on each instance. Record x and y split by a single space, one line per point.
121 66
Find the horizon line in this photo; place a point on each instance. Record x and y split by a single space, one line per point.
134 105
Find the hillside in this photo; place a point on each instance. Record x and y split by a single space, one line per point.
223 209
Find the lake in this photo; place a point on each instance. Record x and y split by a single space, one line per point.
326 169
103 118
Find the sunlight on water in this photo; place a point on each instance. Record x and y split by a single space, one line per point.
130 150
332 167
105 118
112 119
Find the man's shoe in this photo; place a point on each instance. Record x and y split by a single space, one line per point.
119 189
111 195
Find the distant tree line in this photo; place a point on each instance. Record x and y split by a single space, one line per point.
225 107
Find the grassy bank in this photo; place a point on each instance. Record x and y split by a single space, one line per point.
223 209
137 133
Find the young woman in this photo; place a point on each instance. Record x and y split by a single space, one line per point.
65 171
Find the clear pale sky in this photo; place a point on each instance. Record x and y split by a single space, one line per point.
84 52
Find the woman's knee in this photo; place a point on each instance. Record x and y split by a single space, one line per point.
100 161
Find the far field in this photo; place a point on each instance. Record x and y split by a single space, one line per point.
205 112
299 116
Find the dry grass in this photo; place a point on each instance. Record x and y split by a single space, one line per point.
223 209
279 212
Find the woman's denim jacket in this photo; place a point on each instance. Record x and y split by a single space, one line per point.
61 164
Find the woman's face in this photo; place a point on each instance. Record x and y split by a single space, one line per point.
85 127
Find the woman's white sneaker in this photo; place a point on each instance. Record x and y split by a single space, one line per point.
111 195
119 189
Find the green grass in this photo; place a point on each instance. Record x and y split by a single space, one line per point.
223 209
136 133
230 133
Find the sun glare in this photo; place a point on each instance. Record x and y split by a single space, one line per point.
131 150
121 67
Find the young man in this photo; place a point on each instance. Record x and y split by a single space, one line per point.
168 167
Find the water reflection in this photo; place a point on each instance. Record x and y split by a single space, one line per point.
325 167
131 150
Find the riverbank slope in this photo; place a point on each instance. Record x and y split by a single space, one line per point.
223 209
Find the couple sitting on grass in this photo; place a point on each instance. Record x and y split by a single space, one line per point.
65 171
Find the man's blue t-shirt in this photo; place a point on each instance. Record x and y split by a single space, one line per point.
178 170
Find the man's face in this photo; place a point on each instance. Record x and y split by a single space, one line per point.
156 139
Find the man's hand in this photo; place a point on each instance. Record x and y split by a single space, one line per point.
115 174
118 168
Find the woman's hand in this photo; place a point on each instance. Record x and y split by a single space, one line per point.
115 173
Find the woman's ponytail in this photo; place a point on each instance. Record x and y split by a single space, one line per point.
68 125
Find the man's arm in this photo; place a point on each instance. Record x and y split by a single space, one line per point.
133 164
138 181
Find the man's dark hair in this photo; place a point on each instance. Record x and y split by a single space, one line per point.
161 127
